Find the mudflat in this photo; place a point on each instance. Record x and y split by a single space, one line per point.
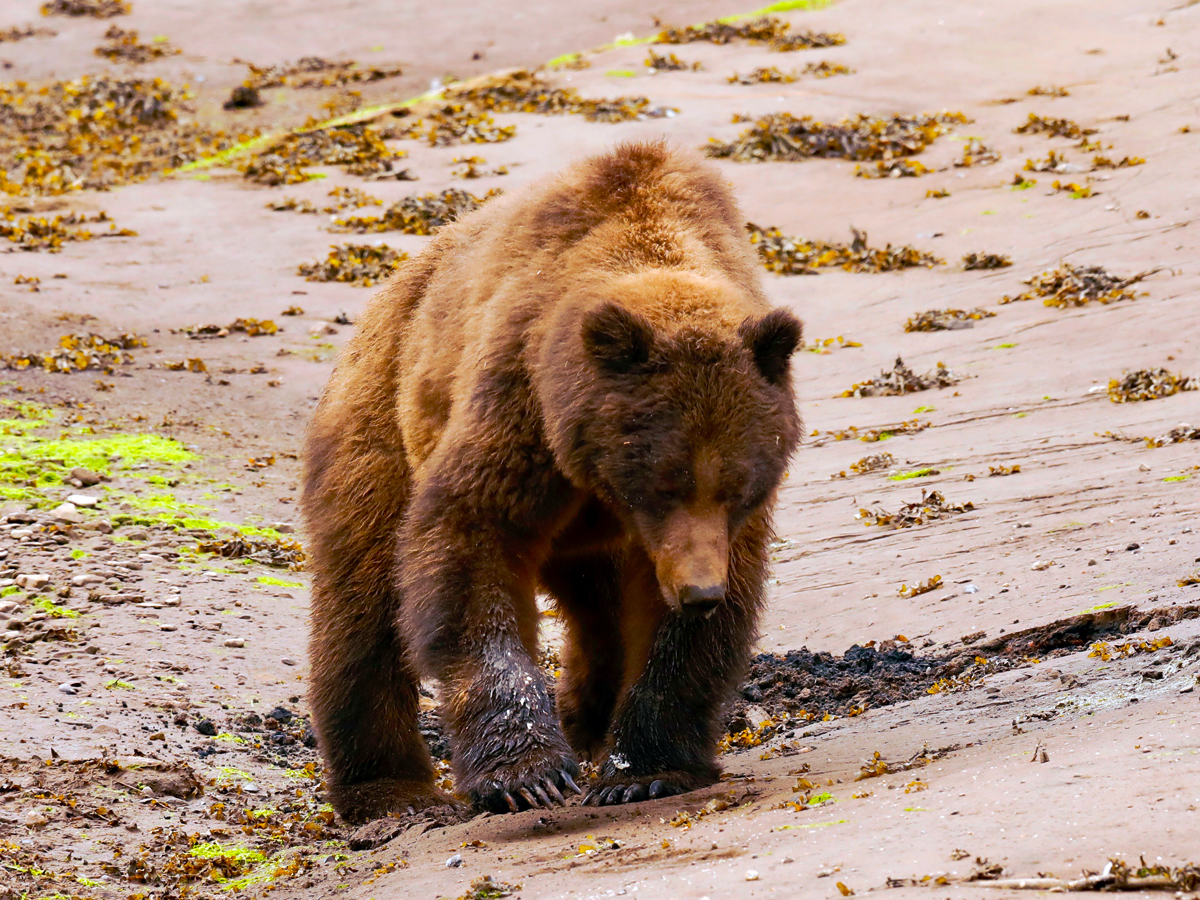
979 660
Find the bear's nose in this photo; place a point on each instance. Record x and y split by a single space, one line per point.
695 599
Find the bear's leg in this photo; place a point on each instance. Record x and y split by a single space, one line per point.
667 724
364 694
469 575
588 593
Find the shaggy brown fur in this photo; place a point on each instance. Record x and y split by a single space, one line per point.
580 388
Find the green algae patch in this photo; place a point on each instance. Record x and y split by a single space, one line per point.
1099 606
279 582
118 684
812 825
8 591
102 454
54 610
915 473
241 855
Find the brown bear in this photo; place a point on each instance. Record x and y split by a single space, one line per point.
579 390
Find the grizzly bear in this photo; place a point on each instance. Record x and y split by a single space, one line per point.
581 391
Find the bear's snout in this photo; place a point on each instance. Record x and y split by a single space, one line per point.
696 600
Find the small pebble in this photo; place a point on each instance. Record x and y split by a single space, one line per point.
288 661
1092 562
970 589
235 642
1143 468
83 500
752 875
206 727
1042 565
68 689
167 626
35 818
1133 546
455 861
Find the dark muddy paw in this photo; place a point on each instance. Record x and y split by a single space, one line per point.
612 795
540 788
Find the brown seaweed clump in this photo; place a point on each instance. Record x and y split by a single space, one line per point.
769 30
931 506
764 75
456 123
986 261
1149 384
123 46
40 233
796 256
1070 285
1065 128
78 353
343 198
95 133
18 33
788 138
1177 435
363 265
522 91
417 215
976 153
360 148
894 168
669 63
874 463
314 72
279 552
900 379
94 9
946 319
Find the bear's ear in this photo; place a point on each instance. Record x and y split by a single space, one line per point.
772 340
617 339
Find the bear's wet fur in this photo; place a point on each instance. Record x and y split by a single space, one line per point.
579 389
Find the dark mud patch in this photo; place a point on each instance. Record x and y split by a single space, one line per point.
819 684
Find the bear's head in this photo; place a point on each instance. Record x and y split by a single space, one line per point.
688 436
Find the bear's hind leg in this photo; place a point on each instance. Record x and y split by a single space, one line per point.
587 590
365 702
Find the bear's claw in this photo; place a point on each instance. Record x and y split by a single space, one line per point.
543 794
632 793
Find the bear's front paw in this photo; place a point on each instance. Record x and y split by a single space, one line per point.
614 789
536 785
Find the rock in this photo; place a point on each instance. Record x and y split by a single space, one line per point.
167 626
36 818
137 536
67 512
282 714
235 642
284 528
1042 565
1143 468
1158 622
33 581
68 689
84 500
288 661
455 861
86 477
970 589
751 875
1093 562
86 579
320 329
206 727
1133 546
